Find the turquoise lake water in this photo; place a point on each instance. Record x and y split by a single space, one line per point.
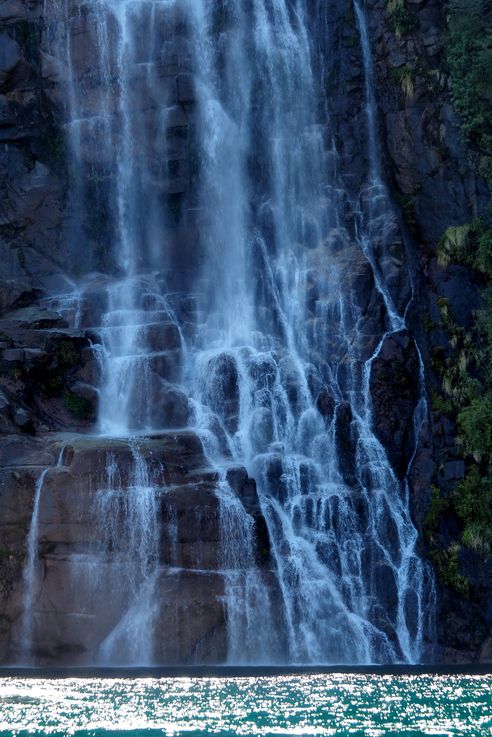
355 705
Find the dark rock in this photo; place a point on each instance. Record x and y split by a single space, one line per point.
395 391
201 638
245 488
222 390
185 87
17 293
346 443
452 471
13 354
262 430
385 584
325 405
23 419
170 406
10 58
486 651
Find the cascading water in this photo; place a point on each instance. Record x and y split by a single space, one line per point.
260 373
29 577
274 357
130 530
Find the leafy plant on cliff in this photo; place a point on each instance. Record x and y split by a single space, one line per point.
403 23
466 377
448 567
407 206
473 503
453 246
438 505
469 58
404 78
475 423
469 244
440 404
457 371
78 406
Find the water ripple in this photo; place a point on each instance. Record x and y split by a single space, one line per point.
336 705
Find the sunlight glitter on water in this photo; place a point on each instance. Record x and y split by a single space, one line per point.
334 705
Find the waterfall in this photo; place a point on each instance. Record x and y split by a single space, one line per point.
412 576
29 576
224 246
128 518
323 555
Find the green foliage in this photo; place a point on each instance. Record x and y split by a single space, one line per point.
27 35
51 383
65 357
427 323
14 373
403 23
78 406
437 359
445 560
469 244
457 383
407 206
448 568
465 366
469 58
473 503
458 372
441 404
438 505
404 78
66 354
475 424
478 537
453 246
484 251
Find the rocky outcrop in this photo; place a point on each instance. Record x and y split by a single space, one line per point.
434 177
49 373
82 580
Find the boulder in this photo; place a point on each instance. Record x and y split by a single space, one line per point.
222 390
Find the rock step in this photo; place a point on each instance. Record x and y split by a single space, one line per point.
152 337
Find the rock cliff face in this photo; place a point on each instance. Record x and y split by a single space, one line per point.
435 181
50 374
78 556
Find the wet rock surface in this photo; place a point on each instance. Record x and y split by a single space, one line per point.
395 391
69 625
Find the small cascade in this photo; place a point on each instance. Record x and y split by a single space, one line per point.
126 510
251 632
411 575
140 354
29 577
377 227
345 557
375 171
